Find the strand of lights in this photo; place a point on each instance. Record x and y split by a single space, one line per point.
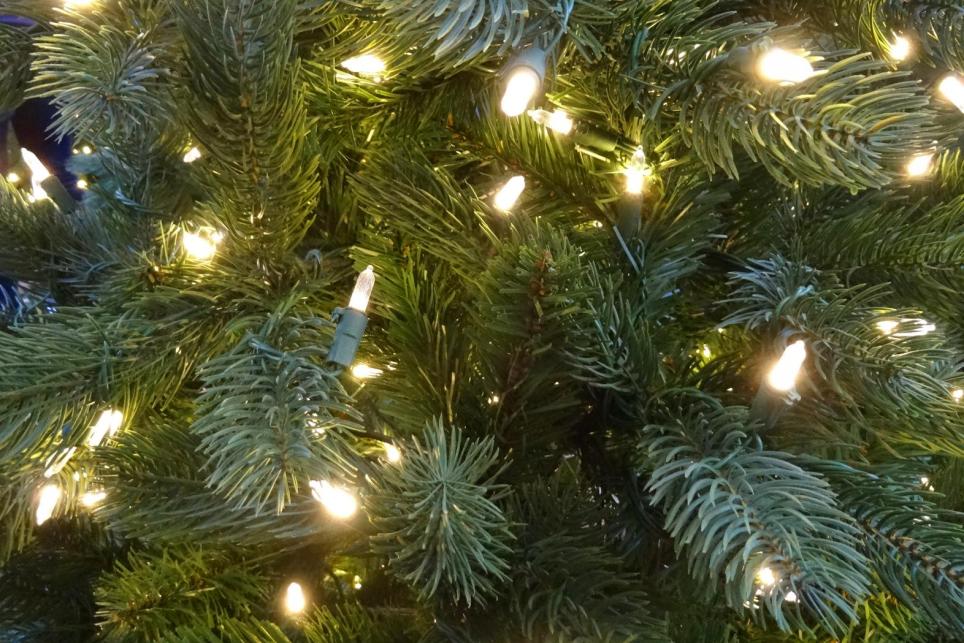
191 155
392 453
295 600
352 321
82 184
636 172
781 66
765 577
524 75
365 65
363 371
337 501
557 120
783 375
509 193
201 245
93 498
899 48
919 165
47 502
108 423
952 88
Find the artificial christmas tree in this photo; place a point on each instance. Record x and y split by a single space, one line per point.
660 340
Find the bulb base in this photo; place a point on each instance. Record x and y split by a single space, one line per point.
531 57
58 193
348 335
629 212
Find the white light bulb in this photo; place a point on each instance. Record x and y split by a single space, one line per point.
109 422
38 172
899 48
952 88
57 462
295 599
521 88
957 394
392 453
77 4
919 165
363 290
339 502
47 502
201 245
86 149
192 155
779 65
557 121
93 498
493 399
791 596
365 64
766 577
81 184
707 352
636 172
356 582
783 375
13 177
509 193
887 326
919 328
364 371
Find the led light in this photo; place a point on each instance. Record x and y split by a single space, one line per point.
509 193
899 48
952 88
707 353
919 165
557 121
364 371
109 422
919 328
363 290
392 453
201 245
81 184
38 172
86 149
887 326
783 375
957 394
77 4
192 155
57 462
49 497
295 599
336 501
365 64
791 596
356 582
523 84
779 65
636 172
766 577
13 177
493 399
93 498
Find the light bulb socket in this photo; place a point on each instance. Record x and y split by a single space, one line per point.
531 57
350 328
595 138
58 193
629 212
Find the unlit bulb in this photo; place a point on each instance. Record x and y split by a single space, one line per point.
521 88
783 375
557 120
781 66
338 502
47 502
509 193
364 371
295 599
201 245
952 88
899 48
363 290
919 165
109 422
365 65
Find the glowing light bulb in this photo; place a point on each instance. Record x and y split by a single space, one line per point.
557 121
339 502
636 172
93 498
47 502
86 149
57 462
109 422
523 84
295 601
957 394
191 155
365 65
707 353
766 577
77 4
781 66
952 88
919 328
364 371
493 399
13 177
791 596
363 290
887 326
201 245
81 184
38 172
783 375
509 193
899 48
356 582
392 453
919 165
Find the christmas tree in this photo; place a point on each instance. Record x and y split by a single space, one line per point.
484 320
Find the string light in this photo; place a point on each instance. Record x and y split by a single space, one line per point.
636 172
887 326
791 596
47 502
509 193
338 502
109 422
557 120
57 462
952 88
365 65
783 375
77 4
781 66
81 184
356 582
363 290
524 80
93 498
13 178
191 155
899 48
766 577
364 371
957 394
392 453
201 245
493 399
295 601
707 353
919 165
86 149
919 328
38 172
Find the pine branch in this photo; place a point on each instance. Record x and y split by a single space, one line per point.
16 45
